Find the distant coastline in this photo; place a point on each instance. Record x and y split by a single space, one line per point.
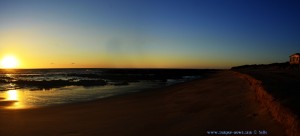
273 66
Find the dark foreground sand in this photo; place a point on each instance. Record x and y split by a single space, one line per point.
221 102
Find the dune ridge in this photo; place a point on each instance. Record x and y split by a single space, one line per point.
280 113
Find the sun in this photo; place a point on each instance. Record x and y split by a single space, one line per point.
9 62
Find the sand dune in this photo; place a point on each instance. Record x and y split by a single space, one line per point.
222 101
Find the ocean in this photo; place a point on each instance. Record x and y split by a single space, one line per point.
30 88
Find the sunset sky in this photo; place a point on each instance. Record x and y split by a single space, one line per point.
148 33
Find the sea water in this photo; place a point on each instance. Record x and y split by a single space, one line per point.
30 88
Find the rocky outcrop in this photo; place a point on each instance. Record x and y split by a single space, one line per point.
280 113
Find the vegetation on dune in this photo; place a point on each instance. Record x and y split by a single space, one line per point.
273 66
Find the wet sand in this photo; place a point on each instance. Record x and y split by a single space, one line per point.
222 101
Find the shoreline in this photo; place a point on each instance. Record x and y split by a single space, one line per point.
5 103
222 101
34 87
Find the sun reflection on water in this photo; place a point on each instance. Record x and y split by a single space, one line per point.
14 98
12 95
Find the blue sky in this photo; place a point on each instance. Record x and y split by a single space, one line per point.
149 33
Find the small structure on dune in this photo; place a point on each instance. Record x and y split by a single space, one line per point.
295 59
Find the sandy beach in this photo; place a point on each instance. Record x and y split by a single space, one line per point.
220 102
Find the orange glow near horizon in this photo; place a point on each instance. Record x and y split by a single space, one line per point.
104 61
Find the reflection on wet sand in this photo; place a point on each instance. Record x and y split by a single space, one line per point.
12 95
31 88
11 101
